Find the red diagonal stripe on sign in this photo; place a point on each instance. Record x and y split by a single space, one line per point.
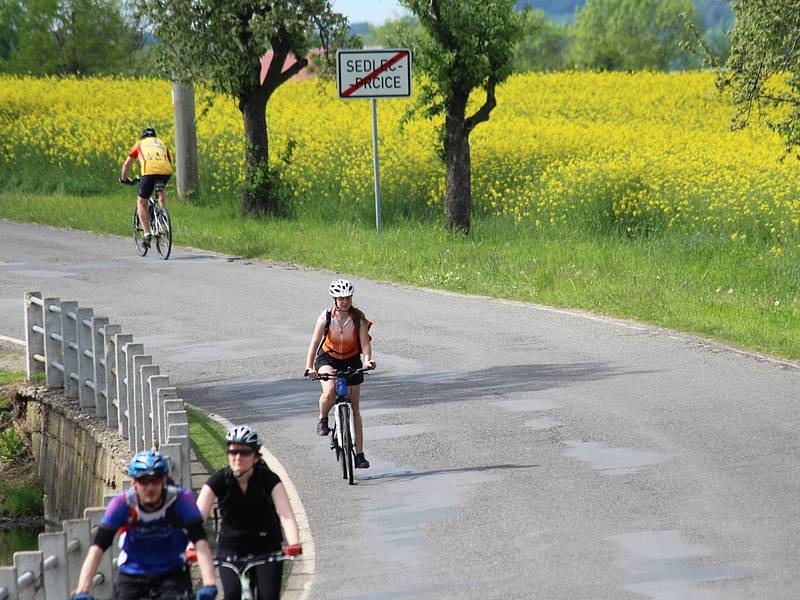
399 56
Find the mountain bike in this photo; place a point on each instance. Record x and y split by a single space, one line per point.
241 565
343 432
160 224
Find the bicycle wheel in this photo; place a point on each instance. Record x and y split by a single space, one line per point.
341 440
138 234
347 446
164 238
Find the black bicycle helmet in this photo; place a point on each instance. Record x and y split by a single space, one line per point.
147 132
242 434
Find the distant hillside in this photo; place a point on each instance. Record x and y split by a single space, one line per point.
713 12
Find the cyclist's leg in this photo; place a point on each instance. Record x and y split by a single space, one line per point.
162 194
231 586
146 184
269 580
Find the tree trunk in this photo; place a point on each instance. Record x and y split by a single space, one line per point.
255 197
458 197
187 162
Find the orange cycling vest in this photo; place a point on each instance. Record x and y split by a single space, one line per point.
341 340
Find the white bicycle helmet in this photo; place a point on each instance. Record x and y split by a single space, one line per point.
341 288
242 434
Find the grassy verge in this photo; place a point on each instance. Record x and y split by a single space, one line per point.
742 292
208 439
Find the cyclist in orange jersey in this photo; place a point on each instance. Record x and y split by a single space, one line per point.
341 336
155 166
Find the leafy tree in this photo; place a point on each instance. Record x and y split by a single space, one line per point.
10 17
627 35
763 69
544 44
462 46
70 37
222 42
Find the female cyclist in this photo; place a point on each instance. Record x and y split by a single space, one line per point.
254 507
341 336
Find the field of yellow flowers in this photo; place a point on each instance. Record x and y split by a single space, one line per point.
634 153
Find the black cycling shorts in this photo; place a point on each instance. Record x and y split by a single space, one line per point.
341 365
173 585
148 182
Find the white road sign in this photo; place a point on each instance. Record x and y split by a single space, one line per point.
374 73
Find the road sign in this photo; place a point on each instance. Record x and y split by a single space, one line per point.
374 73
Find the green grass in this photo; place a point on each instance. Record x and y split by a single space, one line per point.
7 376
744 293
208 439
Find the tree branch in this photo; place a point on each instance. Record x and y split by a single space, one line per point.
482 114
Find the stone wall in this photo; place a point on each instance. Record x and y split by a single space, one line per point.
79 458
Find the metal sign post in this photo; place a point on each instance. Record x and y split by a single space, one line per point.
374 74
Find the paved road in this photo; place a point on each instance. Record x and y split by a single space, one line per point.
517 451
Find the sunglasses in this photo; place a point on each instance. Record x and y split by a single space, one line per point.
234 452
150 480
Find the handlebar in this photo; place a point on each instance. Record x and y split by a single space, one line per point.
253 559
129 181
335 374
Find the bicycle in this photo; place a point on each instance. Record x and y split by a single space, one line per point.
342 438
241 565
160 224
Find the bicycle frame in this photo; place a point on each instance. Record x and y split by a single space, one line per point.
241 565
343 434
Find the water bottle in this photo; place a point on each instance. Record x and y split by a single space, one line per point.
341 387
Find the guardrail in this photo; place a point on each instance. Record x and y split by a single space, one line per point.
110 374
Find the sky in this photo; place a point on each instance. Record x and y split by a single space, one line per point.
374 11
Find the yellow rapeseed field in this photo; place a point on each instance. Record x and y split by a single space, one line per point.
630 152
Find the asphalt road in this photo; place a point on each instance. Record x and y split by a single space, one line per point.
517 451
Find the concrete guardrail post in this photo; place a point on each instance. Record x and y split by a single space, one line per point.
105 589
56 576
86 382
147 372
120 342
78 541
69 345
131 350
53 351
34 340
112 400
99 366
29 574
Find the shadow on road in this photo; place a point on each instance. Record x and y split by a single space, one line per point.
406 475
267 400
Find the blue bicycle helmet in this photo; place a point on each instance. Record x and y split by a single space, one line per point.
147 463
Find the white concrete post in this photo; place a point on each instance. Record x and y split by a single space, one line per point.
120 342
131 350
99 366
29 574
8 583
85 358
165 395
105 589
69 344
34 341
56 576
157 384
167 406
112 400
78 541
53 351
139 361
147 372
173 453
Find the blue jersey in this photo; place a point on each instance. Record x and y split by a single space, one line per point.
152 542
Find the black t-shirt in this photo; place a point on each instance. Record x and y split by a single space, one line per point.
249 521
